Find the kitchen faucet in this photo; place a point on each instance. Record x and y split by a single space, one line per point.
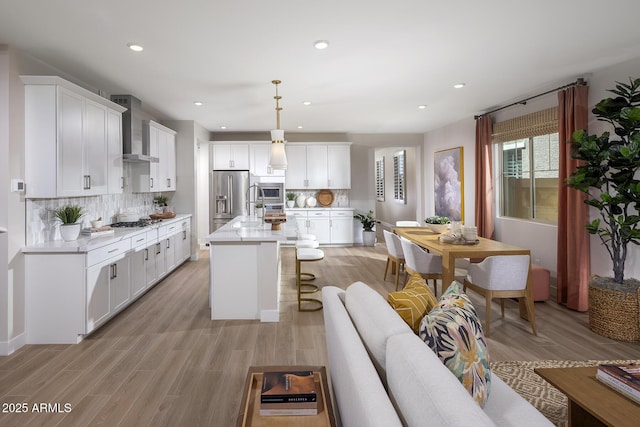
248 201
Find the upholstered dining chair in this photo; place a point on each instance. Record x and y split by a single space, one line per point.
417 260
395 256
407 224
501 276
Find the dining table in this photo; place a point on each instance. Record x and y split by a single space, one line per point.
477 250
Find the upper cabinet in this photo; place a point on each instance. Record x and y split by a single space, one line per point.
260 156
73 140
151 176
231 156
316 166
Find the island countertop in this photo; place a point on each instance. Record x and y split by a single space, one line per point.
251 229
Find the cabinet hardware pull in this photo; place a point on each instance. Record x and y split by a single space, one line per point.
168 243
112 251
158 248
122 182
115 270
184 235
139 240
151 182
146 254
87 182
168 182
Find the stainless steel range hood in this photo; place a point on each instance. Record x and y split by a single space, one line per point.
134 146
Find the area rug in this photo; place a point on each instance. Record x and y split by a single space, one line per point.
546 398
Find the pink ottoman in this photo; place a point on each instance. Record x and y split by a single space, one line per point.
541 277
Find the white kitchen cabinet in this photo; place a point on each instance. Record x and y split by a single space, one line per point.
341 226
156 176
296 173
167 163
67 139
317 166
138 268
260 156
319 225
227 156
339 166
330 226
108 286
115 174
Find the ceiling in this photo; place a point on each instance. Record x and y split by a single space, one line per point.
385 57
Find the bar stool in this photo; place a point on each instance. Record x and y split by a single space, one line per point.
308 244
307 255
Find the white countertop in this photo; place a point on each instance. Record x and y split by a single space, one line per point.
251 229
320 208
86 244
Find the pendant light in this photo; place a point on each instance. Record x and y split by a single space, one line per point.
277 155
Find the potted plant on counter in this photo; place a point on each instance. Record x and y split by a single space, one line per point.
609 178
69 216
291 199
368 222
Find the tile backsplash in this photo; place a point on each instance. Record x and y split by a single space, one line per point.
43 227
340 197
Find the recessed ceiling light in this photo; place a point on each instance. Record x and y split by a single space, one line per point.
459 85
321 44
135 47
306 103
223 127
422 107
299 127
198 103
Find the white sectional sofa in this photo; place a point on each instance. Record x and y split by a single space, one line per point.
384 375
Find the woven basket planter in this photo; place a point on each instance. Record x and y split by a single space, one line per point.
614 313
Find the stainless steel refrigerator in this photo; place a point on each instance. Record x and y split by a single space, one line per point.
228 196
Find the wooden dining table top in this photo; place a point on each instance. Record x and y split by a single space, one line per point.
427 239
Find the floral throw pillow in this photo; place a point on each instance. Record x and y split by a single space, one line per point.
452 330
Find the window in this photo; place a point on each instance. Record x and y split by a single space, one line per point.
380 180
527 157
398 177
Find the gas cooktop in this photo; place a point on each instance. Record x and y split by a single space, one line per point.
136 224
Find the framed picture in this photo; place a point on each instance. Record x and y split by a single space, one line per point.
449 183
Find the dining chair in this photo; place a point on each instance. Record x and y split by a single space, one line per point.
417 260
501 276
408 224
395 256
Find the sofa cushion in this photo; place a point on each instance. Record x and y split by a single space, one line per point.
413 302
452 330
375 321
507 408
424 391
358 391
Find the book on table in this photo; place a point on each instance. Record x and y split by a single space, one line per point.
624 378
288 393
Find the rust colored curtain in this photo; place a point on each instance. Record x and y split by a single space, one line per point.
573 239
484 214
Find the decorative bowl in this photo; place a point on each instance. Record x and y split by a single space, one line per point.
438 228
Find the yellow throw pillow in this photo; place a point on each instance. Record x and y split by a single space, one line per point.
413 302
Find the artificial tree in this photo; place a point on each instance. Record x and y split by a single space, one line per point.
609 173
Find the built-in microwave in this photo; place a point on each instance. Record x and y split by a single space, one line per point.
273 192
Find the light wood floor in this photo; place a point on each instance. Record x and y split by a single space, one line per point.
164 362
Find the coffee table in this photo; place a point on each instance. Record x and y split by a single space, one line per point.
591 403
250 407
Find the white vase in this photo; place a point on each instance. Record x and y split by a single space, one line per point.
291 203
69 232
300 200
368 238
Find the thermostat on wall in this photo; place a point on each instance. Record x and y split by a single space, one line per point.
17 185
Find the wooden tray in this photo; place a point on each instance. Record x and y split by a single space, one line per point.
250 406
165 215
325 197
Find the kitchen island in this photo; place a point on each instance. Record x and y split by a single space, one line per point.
245 269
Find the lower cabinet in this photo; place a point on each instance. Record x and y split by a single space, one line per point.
69 295
330 226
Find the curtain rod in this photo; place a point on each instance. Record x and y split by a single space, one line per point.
579 82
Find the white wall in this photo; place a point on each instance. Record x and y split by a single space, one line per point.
540 238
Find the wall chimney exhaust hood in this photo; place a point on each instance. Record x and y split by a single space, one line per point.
134 147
